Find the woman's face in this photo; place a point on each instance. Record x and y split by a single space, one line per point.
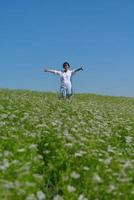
66 67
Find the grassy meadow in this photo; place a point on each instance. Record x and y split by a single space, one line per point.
51 149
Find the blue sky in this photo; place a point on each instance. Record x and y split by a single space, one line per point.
35 34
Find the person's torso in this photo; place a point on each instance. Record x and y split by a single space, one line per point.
66 77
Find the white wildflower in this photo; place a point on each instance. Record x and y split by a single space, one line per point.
17 184
110 149
75 175
46 151
8 185
41 195
58 197
15 162
40 157
30 184
127 164
97 178
4 116
74 130
111 188
80 153
7 153
4 165
21 150
69 145
128 139
26 115
83 139
21 191
82 197
71 188
70 138
2 124
31 197
33 146
128 128
107 161
38 177
86 168
66 133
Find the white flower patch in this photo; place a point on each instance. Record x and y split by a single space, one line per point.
128 128
2 124
32 134
21 191
86 168
39 157
15 162
69 145
80 153
17 184
38 177
41 195
66 133
54 123
111 188
98 125
110 149
12 116
7 153
31 197
74 130
25 168
42 126
21 150
128 139
58 197
33 146
71 188
26 115
107 161
82 197
4 116
128 164
30 184
70 138
83 139
75 175
4 165
8 185
46 152
97 178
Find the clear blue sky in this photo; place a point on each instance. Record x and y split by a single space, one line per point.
99 34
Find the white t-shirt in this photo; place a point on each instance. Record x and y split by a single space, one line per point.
65 77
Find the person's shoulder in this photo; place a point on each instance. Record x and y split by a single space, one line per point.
71 70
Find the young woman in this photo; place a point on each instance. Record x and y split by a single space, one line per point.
66 79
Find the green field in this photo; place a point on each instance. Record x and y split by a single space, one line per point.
73 150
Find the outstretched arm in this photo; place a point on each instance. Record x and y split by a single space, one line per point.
78 69
52 71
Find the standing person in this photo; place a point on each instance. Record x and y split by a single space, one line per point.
66 79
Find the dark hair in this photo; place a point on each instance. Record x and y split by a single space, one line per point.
66 63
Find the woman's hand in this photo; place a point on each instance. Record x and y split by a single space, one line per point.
45 70
82 67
